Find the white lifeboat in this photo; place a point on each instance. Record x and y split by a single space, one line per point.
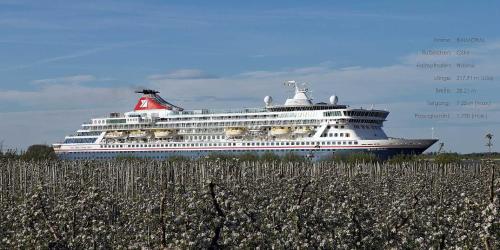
164 133
116 135
138 134
302 130
276 131
234 131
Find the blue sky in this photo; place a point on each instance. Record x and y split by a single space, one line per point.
66 61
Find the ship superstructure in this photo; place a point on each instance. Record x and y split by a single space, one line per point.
158 129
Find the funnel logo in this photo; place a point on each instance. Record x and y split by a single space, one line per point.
144 103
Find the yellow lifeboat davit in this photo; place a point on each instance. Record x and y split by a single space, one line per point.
276 131
302 130
235 131
139 134
115 135
163 133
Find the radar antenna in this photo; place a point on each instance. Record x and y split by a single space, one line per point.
302 92
291 83
147 91
298 87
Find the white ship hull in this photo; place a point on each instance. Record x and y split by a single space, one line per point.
383 149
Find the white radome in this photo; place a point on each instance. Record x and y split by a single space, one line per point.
268 100
334 99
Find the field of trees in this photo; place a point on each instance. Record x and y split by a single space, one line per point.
234 203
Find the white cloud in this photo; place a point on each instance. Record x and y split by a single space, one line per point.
74 55
183 74
67 96
67 79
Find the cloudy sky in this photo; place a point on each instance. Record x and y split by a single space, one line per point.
63 62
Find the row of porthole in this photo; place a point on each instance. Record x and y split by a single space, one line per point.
336 135
234 144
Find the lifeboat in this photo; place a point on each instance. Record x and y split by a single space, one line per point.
302 130
163 133
231 132
138 134
115 135
276 131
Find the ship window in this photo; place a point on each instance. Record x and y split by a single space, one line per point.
336 126
335 135
343 142
350 143
341 134
356 143
347 135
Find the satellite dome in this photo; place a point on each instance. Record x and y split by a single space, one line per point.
334 99
268 100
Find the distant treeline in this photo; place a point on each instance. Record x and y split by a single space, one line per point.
44 152
34 152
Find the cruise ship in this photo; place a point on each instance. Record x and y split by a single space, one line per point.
158 129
